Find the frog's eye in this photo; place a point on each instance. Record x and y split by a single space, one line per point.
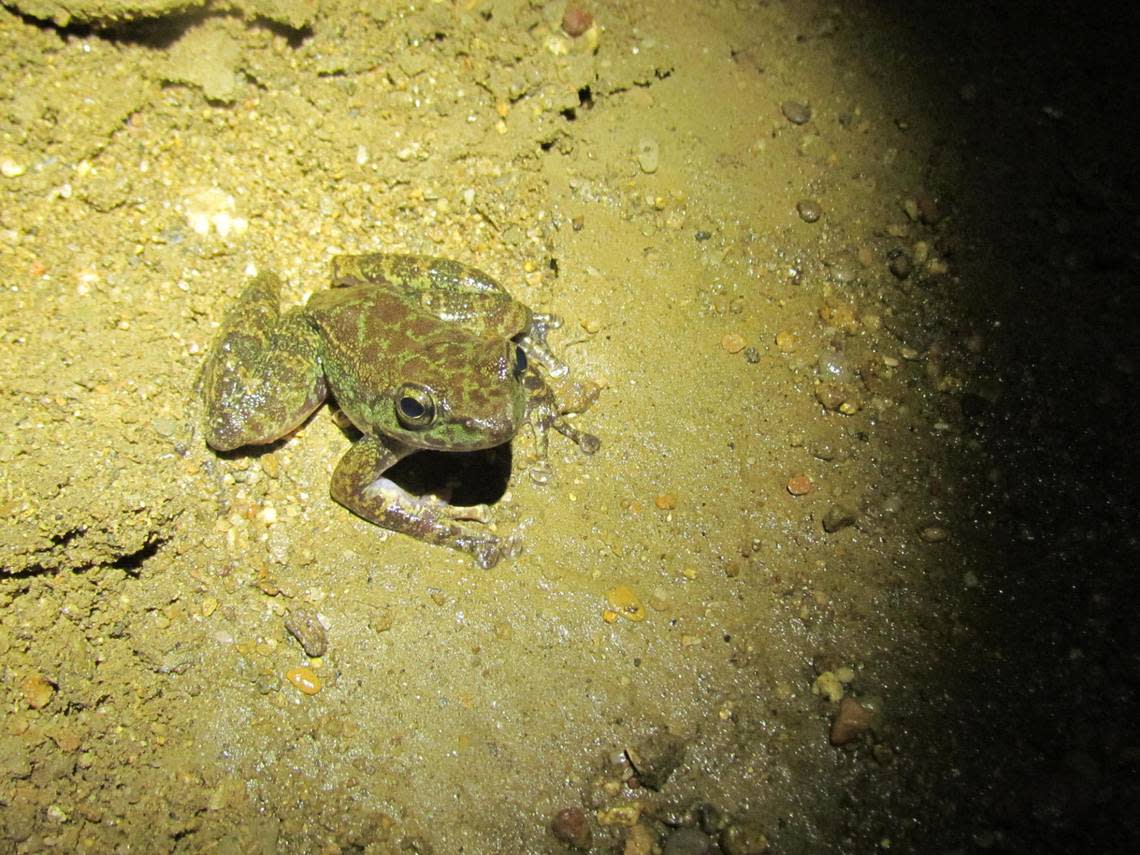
520 362
415 408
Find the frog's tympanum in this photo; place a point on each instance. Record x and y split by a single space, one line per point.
419 353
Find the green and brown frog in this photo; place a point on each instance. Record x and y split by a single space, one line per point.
418 353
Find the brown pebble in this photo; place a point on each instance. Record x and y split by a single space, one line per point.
656 757
38 690
830 395
576 20
304 626
571 826
799 485
841 316
786 341
732 342
851 721
666 501
382 621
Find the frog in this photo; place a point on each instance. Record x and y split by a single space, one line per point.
418 353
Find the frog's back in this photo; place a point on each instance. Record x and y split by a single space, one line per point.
451 292
370 324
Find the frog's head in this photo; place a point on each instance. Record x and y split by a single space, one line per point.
458 396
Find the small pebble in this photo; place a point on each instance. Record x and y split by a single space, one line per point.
304 626
304 680
851 721
796 112
576 20
10 168
572 827
751 355
799 485
732 342
656 757
828 685
823 451
786 341
640 840
689 841
648 155
702 235
37 690
382 621
831 395
809 209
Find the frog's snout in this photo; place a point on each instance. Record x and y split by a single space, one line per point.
492 430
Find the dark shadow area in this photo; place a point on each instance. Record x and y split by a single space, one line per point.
1028 742
462 478
161 32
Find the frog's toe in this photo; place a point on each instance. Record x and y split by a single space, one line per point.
487 553
585 441
470 513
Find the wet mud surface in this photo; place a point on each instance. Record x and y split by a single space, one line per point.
851 569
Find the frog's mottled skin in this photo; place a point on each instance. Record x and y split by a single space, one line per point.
418 352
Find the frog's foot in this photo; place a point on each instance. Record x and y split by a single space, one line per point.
537 348
387 504
359 485
585 441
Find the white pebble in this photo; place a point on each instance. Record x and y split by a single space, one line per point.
648 155
11 169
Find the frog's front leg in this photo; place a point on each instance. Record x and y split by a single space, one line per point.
263 377
359 484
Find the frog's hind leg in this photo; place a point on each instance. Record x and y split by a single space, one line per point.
358 483
263 377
